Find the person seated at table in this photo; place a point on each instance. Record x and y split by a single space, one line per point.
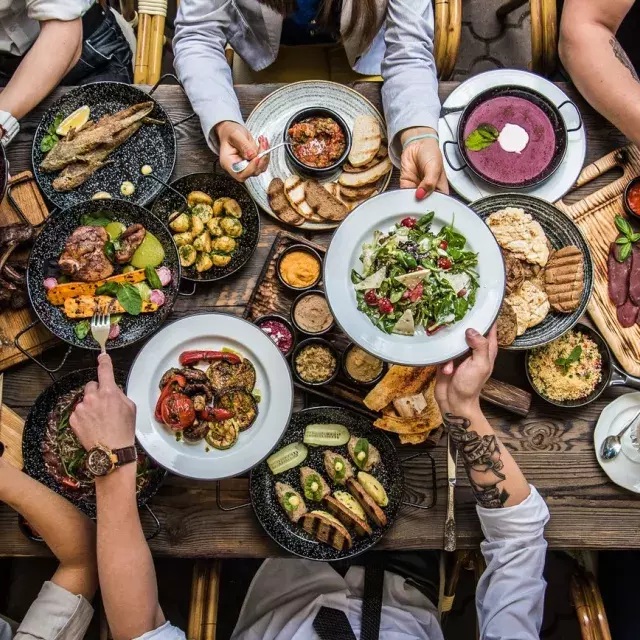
597 62
62 609
288 598
392 38
44 43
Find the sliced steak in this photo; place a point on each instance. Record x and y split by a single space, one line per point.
627 314
618 277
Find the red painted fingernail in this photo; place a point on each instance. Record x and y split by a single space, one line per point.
421 193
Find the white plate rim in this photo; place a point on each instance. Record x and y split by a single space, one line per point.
226 317
408 195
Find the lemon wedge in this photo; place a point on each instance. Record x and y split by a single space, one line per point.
74 121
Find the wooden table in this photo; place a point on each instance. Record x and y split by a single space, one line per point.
554 448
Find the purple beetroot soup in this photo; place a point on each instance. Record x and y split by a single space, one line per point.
503 166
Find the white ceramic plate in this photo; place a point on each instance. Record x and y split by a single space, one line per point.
270 116
211 331
624 469
470 186
383 212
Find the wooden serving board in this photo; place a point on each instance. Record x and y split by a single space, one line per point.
271 296
32 204
595 215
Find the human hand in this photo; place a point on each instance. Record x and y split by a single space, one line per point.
458 388
105 415
236 143
421 164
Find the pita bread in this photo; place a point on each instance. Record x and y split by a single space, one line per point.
323 203
366 139
537 301
366 177
294 191
280 205
507 325
521 309
399 381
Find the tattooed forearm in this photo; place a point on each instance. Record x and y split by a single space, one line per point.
481 458
622 57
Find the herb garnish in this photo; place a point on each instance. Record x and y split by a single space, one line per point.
81 329
481 137
152 277
574 356
130 298
100 219
626 240
51 137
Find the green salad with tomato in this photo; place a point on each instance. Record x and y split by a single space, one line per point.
415 277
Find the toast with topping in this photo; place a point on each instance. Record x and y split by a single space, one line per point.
373 511
291 501
327 529
338 468
347 517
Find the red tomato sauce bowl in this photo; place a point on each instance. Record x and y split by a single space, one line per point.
632 198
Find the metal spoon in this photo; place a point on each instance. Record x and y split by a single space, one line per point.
611 445
241 165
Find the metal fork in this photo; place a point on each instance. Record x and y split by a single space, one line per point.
100 327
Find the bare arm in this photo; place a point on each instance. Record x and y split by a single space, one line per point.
598 65
51 57
127 575
69 534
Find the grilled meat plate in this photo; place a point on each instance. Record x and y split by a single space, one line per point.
338 468
373 511
130 239
327 529
291 501
314 486
83 257
347 517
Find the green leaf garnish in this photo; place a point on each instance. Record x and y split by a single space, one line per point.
81 329
130 299
361 445
108 289
574 356
624 252
481 137
152 277
51 137
623 226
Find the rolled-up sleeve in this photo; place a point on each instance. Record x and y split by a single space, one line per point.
42 10
510 594
410 89
199 43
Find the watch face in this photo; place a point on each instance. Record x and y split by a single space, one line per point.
99 462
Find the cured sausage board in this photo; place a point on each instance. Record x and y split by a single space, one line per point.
595 215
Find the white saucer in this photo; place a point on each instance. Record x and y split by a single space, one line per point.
624 469
467 184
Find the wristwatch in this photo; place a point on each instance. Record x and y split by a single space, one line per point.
101 460
9 126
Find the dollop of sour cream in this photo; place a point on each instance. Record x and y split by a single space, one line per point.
513 138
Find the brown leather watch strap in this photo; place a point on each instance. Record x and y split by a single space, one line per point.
125 455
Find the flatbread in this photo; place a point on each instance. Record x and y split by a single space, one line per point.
521 309
537 301
507 325
564 279
398 381
514 271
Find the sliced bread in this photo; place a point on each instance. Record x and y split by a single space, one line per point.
366 140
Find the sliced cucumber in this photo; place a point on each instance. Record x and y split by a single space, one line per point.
326 435
287 458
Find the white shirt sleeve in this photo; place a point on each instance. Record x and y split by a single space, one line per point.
57 9
510 593
200 63
410 89
166 632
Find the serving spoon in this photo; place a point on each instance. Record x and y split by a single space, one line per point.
241 165
612 445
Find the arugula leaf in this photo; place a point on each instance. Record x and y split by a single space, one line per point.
130 298
356 277
108 289
574 356
81 329
481 137
152 277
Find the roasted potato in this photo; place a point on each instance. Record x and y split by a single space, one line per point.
180 223
214 227
197 226
224 243
218 206
188 255
204 262
231 227
202 211
203 242
232 208
186 237
199 197
220 259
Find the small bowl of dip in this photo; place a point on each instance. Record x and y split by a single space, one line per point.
299 267
632 198
280 330
320 139
310 313
360 367
315 361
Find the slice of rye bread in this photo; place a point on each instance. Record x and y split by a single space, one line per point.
357 193
323 203
564 279
366 177
346 516
326 530
380 156
295 193
280 205
366 139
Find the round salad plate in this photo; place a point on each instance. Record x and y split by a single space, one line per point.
382 213
211 331
561 231
624 469
291 536
270 116
470 186
50 243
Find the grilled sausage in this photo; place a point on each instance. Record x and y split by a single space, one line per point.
618 277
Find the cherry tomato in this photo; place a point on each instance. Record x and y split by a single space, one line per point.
371 298
444 263
215 414
462 293
385 306
416 293
443 245
70 483
177 411
409 222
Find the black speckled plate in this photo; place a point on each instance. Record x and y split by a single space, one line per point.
152 144
49 245
562 232
292 537
34 432
216 186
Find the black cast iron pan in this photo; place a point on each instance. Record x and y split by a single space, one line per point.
389 472
152 144
612 374
50 243
216 186
34 433
550 110
4 172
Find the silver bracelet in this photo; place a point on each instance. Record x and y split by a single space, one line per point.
423 136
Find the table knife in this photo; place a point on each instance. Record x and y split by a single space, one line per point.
450 523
